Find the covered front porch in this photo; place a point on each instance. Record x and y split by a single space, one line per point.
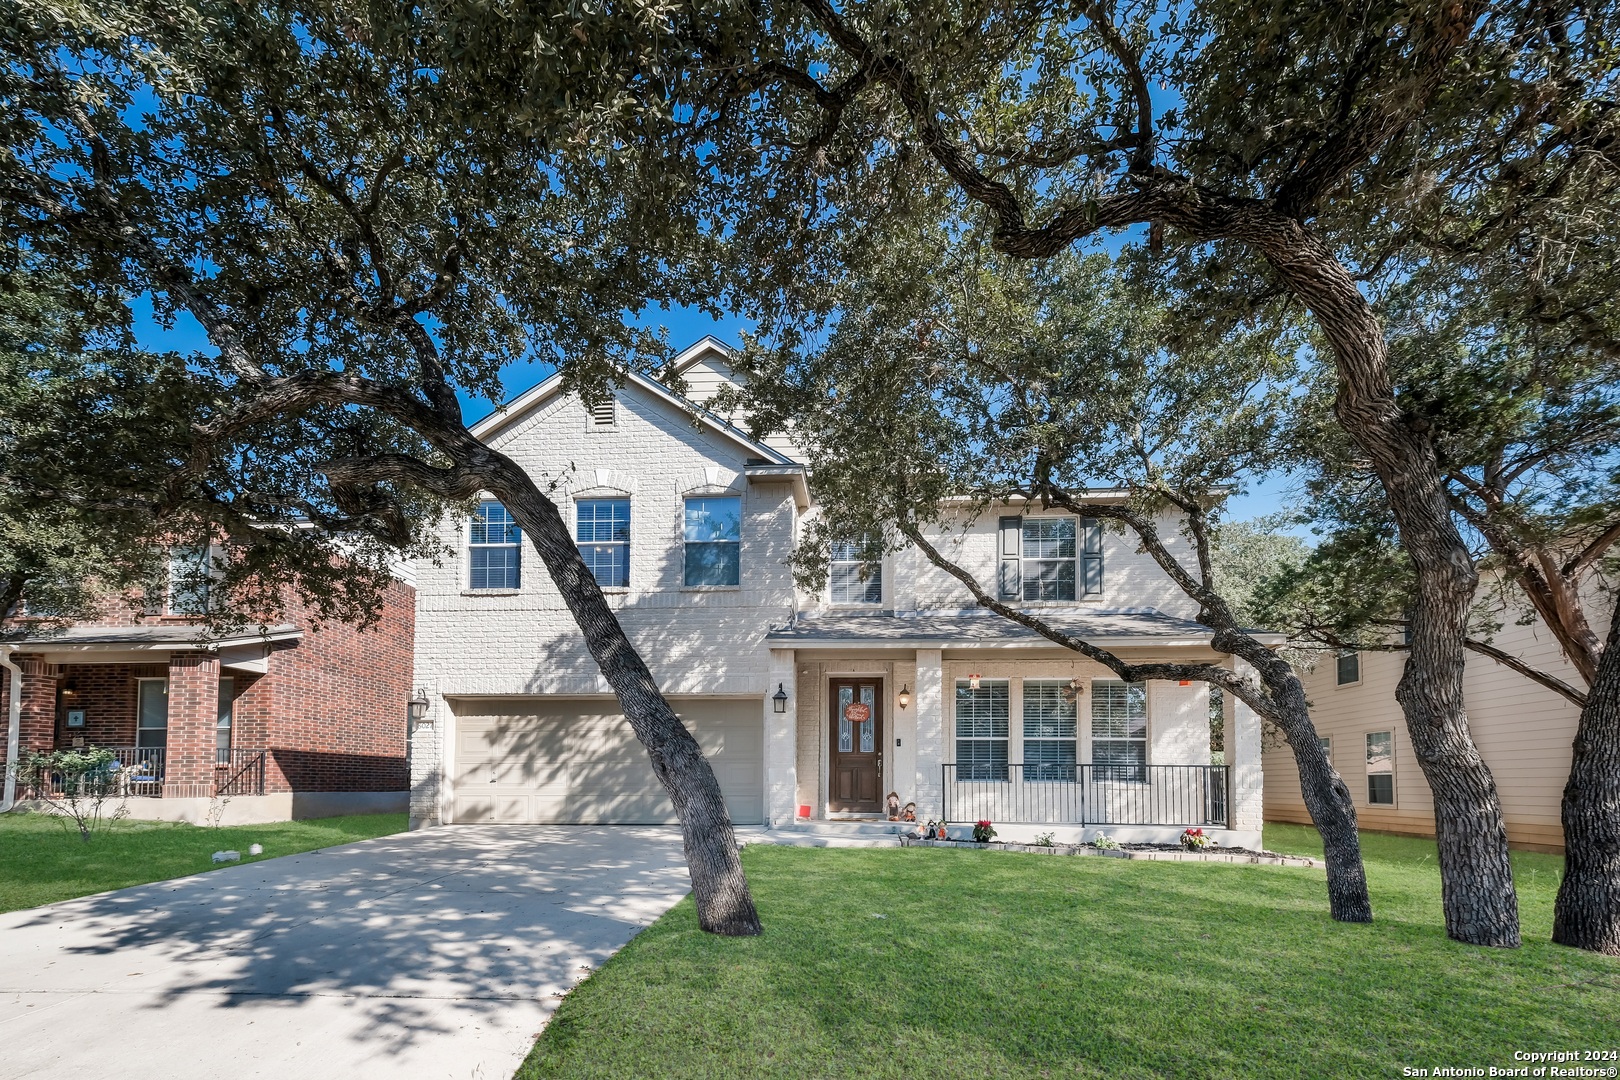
972 717
182 718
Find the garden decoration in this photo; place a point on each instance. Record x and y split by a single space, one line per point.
940 831
893 802
1197 839
983 832
909 812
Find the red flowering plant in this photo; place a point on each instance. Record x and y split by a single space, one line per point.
1193 839
982 832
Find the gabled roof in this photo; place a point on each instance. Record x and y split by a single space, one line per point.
695 352
530 400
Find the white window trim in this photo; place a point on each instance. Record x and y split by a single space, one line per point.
1147 729
860 605
1360 672
1024 739
467 547
680 535
1014 686
1074 560
629 541
1394 790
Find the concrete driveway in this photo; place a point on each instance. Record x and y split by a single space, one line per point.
431 954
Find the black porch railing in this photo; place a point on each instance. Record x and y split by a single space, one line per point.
239 772
1048 794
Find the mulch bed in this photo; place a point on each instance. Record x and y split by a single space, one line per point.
1150 852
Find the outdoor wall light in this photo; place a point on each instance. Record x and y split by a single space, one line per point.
419 705
905 696
780 698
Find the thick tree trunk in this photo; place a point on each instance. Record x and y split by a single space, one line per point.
1480 905
1332 811
719 886
1587 915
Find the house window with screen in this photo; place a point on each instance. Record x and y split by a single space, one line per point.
1050 558
981 730
1327 747
1349 668
713 535
852 580
494 554
1049 731
1119 730
1381 768
189 573
603 532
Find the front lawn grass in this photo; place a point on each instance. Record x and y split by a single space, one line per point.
41 862
990 964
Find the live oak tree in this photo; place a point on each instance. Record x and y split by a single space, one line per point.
1271 153
1524 418
995 381
360 233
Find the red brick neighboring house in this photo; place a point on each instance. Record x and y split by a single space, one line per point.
291 722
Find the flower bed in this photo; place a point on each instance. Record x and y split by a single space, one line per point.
1153 852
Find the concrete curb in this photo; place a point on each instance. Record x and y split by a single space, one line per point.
1151 856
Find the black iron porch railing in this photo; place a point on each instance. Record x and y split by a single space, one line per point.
239 772
1050 794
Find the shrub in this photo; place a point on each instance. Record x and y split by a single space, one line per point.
1104 842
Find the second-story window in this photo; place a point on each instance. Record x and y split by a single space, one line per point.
494 550
603 532
1348 664
1050 558
713 537
853 581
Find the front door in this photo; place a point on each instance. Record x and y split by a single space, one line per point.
857 746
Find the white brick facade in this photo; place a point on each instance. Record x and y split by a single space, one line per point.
513 647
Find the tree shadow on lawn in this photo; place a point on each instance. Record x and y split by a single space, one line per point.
993 963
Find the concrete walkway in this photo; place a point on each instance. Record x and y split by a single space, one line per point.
429 954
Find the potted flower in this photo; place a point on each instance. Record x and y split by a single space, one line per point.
983 833
1196 840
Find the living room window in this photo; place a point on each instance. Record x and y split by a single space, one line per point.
1049 731
981 729
1119 730
852 580
495 548
1381 768
713 538
602 527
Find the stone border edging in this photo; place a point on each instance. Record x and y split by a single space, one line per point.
1086 849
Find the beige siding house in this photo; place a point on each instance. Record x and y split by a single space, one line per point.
810 706
1523 730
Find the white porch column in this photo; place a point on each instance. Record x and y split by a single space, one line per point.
1243 755
930 704
781 741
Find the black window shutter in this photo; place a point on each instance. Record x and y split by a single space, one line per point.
1091 570
1012 542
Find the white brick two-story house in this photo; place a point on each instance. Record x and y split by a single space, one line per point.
808 706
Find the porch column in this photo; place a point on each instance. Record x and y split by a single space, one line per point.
781 741
193 714
36 728
1243 755
931 743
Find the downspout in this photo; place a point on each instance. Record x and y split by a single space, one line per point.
14 722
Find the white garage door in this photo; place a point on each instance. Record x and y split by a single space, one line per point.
577 762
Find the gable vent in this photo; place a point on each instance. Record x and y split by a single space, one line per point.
602 414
